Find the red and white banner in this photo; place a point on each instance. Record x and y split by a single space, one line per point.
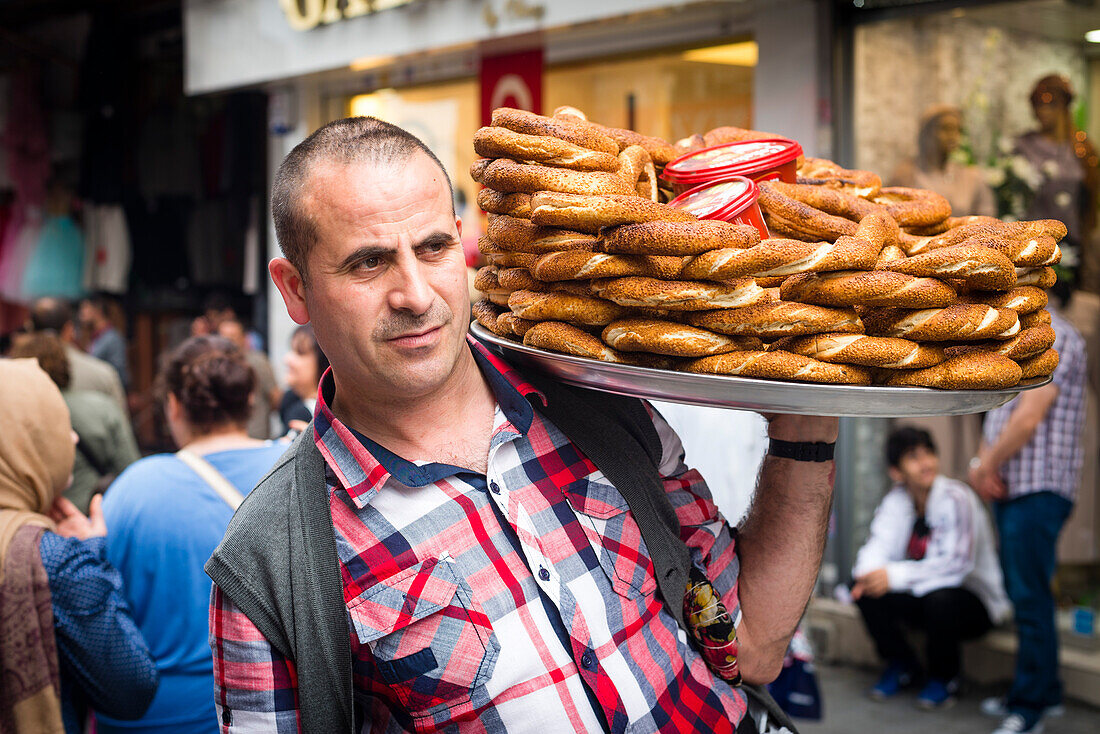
511 80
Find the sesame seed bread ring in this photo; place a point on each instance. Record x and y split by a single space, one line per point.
592 213
569 130
692 143
568 111
558 306
779 366
987 226
797 220
829 200
1028 343
1022 300
477 168
889 254
867 288
507 176
675 340
1037 277
880 229
961 322
913 207
508 321
973 371
520 279
679 295
488 315
979 267
931 230
568 339
822 172
1035 318
555 266
1040 365
500 142
677 238
512 234
632 163
777 319
485 280
729 134
513 205
869 351
510 259
660 151
780 257
1024 253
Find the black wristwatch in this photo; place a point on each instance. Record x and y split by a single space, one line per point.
818 451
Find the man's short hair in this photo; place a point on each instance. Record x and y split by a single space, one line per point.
350 140
51 314
904 440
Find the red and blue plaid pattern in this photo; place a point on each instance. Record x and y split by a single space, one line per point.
482 600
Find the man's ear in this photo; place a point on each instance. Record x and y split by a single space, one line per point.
458 226
895 475
289 282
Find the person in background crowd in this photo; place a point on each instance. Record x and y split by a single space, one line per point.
1069 171
85 371
1028 466
267 394
305 363
485 572
67 640
934 167
930 563
105 445
167 512
104 340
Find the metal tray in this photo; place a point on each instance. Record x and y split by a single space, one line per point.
748 393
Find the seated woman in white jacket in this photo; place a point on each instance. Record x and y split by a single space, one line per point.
930 563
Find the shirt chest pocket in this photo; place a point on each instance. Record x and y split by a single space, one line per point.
432 643
613 534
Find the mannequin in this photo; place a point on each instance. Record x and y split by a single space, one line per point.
934 168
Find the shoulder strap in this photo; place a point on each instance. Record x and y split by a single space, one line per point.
206 471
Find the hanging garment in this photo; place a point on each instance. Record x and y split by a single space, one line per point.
56 266
21 241
107 249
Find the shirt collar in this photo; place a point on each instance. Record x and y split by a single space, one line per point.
362 465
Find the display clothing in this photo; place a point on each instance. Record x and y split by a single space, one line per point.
56 266
108 345
164 523
963 186
106 447
88 373
107 249
1062 182
523 589
1051 460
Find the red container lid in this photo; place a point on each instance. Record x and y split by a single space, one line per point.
718 199
731 159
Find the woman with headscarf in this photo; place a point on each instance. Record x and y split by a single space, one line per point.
936 170
67 636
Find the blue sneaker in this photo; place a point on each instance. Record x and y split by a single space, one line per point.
937 694
893 680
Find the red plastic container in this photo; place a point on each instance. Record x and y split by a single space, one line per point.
732 200
755 159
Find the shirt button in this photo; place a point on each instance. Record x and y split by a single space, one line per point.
494 487
588 662
544 574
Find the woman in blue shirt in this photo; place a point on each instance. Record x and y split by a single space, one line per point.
67 640
166 514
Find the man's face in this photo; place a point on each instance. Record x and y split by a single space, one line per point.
387 287
917 469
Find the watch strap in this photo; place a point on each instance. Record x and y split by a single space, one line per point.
817 451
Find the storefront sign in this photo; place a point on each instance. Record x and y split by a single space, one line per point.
304 15
511 80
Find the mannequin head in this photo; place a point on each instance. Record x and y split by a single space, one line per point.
1050 100
940 135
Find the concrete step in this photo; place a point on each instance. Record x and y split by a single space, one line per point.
838 636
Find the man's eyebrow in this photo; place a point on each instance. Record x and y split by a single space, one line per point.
362 253
438 237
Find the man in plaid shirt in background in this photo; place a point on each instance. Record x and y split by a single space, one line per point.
1029 465
494 580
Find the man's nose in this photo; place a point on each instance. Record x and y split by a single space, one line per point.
411 290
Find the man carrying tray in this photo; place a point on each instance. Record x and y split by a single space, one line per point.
492 574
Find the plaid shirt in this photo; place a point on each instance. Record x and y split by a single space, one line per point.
1051 460
517 600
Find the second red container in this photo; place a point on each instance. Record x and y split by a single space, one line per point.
732 200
